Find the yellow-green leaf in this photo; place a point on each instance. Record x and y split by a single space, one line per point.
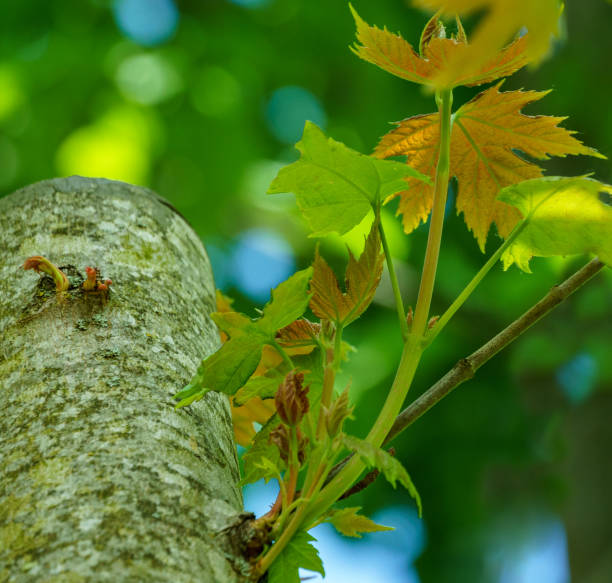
335 187
502 20
299 552
361 280
485 134
395 55
348 522
390 467
563 216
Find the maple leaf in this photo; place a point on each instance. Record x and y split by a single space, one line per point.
390 467
255 410
361 280
299 552
396 56
349 522
486 132
301 333
563 216
503 19
335 187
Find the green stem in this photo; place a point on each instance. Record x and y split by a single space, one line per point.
421 312
411 355
283 353
466 367
399 304
413 347
469 288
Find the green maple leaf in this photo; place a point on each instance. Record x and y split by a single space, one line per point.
228 369
563 216
389 466
335 187
289 300
262 458
348 522
298 553
361 280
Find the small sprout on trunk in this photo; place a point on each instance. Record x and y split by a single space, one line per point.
93 283
41 264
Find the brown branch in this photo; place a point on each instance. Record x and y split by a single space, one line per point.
466 367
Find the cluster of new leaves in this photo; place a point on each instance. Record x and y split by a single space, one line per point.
275 368
279 369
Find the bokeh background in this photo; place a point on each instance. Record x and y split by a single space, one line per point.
202 101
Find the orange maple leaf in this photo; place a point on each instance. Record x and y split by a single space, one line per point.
255 410
501 20
396 56
485 134
361 280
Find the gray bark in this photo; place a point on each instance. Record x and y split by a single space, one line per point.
101 479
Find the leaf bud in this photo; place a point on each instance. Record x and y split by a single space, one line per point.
291 400
337 413
280 437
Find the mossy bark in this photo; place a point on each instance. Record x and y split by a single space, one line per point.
101 479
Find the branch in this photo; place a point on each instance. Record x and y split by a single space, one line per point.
466 367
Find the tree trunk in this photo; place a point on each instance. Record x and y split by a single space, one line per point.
101 479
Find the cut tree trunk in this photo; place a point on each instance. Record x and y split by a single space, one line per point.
101 479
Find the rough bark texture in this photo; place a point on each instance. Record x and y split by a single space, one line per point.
101 479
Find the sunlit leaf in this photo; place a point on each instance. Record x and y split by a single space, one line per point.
503 19
361 280
389 466
299 552
348 522
396 56
335 186
563 216
486 132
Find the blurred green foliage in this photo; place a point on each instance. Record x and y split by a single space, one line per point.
190 117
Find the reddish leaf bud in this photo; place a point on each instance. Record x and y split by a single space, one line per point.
279 436
337 413
291 400
90 283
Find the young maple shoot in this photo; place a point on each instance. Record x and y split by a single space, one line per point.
280 369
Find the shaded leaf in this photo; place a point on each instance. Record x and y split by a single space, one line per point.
348 522
335 186
361 280
486 132
396 56
229 368
288 302
299 334
503 19
232 324
256 410
389 466
563 216
255 468
299 552
263 386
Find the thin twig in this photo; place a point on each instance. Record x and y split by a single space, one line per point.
466 367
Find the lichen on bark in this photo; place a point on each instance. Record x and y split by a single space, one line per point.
101 479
